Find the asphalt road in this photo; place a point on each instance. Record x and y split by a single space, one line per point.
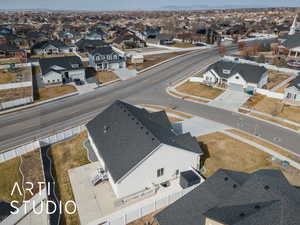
19 127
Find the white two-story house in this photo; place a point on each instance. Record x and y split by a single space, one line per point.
140 150
236 76
105 58
60 70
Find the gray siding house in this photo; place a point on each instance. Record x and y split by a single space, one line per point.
292 92
105 58
264 197
60 70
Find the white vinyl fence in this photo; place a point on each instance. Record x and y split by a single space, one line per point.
266 65
196 79
16 85
21 150
270 94
142 209
17 102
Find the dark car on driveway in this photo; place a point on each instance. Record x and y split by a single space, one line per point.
78 82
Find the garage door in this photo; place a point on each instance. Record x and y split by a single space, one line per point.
236 87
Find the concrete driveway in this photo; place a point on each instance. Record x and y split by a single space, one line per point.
230 100
198 126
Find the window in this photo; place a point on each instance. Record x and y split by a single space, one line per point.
160 172
237 77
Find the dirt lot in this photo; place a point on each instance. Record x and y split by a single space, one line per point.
275 107
15 75
151 60
225 152
282 89
199 90
253 101
10 174
52 92
276 78
106 76
15 93
68 155
32 171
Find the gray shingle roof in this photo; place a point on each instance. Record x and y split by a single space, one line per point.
102 50
295 83
235 198
251 73
43 44
65 62
124 135
292 41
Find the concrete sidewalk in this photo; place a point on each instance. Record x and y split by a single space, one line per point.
264 149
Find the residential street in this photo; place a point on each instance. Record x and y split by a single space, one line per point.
20 127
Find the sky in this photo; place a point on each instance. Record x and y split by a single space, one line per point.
139 4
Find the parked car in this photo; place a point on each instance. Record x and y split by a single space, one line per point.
78 82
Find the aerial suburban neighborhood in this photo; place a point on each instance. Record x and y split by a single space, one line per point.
150 112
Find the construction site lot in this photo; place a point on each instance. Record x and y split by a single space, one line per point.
15 75
12 94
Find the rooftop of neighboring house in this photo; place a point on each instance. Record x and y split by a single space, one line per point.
295 83
85 43
8 48
122 38
60 63
124 135
237 198
226 69
102 50
44 44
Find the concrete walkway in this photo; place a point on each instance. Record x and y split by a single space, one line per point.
199 126
230 100
263 148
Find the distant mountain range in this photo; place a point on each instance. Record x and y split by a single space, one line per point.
199 7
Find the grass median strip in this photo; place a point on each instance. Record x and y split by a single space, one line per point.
223 151
267 145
